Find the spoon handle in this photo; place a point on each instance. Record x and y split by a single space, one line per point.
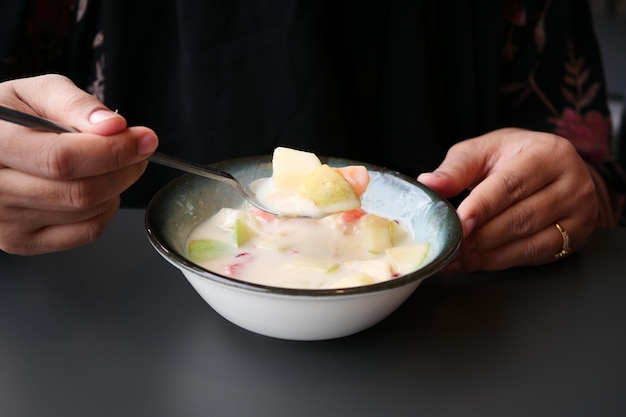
33 122
39 123
193 168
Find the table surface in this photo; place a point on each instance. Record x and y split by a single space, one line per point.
113 329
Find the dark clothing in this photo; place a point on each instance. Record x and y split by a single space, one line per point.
393 83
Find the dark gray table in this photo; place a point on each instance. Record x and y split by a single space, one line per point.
111 329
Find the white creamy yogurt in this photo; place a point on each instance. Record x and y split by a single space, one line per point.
286 202
328 252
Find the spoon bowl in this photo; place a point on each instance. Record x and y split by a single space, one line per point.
212 173
40 123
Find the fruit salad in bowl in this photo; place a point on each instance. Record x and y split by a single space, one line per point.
352 243
338 244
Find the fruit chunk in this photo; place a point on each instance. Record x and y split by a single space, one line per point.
290 167
242 232
270 244
356 280
347 217
379 269
227 217
357 176
398 233
407 258
309 262
206 249
377 233
330 191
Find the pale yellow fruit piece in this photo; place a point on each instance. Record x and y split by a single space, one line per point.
407 258
270 244
356 280
398 233
379 269
291 166
226 218
330 191
377 233
242 232
315 264
201 250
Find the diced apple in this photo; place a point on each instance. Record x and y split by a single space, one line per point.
242 232
347 217
330 191
270 244
379 269
291 166
407 258
398 233
309 262
227 217
355 280
206 249
376 233
357 175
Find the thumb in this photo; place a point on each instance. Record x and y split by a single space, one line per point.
462 168
57 98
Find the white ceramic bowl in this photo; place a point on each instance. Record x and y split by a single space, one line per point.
300 314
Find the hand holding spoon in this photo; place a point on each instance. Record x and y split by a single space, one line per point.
39 123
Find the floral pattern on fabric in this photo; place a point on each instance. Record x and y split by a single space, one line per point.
97 85
589 131
579 113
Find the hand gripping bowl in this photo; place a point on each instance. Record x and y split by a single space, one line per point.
300 314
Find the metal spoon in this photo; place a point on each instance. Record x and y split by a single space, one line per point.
39 123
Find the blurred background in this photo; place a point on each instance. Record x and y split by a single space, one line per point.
610 24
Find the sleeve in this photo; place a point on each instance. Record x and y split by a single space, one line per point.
553 80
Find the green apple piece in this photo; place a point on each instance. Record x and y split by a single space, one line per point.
356 280
379 269
330 191
405 259
242 232
201 250
290 167
377 233
312 263
398 233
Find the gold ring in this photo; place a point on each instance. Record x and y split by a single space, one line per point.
565 249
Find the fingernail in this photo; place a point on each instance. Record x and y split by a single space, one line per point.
428 174
147 144
468 226
100 116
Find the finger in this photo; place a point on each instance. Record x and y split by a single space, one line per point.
491 196
73 155
22 190
552 204
55 97
509 184
535 249
55 237
518 221
462 168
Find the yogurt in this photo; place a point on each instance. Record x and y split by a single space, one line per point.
336 251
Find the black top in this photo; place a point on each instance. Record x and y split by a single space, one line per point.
393 83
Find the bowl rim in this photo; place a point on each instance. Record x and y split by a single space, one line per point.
182 262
